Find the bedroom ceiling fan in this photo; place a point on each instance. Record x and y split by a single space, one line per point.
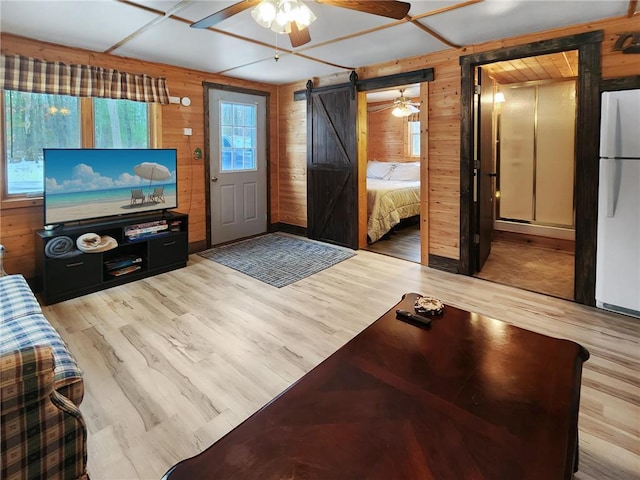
293 16
402 106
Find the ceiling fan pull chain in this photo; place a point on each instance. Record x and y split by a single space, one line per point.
276 57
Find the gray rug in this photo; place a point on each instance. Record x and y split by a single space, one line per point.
278 260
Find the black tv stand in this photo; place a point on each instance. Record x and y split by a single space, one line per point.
139 254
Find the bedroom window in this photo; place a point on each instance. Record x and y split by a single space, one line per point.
33 121
414 139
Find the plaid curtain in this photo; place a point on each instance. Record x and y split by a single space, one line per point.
37 76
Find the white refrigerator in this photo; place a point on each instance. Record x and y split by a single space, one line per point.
618 248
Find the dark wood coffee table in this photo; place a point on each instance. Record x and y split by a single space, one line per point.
468 398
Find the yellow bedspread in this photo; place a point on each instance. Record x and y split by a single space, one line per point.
388 202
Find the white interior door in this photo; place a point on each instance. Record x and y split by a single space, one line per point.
238 165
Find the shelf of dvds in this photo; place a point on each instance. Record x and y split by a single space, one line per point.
146 245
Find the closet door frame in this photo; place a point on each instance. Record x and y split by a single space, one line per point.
587 167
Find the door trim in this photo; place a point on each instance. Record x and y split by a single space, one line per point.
587 131
207 86
375 83
620 83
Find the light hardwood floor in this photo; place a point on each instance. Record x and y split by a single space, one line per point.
174 362
403 243
530 267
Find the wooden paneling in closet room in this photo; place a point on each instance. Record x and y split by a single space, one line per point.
19 219
443 171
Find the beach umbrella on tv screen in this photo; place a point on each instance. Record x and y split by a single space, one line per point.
151 171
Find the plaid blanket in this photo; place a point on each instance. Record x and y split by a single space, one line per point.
23 325
16 299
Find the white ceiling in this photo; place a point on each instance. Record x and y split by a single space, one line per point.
342 39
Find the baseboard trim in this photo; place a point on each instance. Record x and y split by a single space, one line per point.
195 247
444 263
287 228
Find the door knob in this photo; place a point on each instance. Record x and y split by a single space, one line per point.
493 174
214 179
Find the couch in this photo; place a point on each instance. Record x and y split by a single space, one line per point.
42 431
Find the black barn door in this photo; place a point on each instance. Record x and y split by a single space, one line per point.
332 165
485 172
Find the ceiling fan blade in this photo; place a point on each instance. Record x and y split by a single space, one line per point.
385 8
297 36
225 13
378 108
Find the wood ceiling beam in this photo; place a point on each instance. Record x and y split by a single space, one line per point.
162 16
142 7
433 33
354 35
633 8
169 14
446 9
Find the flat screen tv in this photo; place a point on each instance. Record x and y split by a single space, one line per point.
86 183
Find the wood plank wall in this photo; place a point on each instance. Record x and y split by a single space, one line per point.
287 135
388 136
444 127
18 220
292 165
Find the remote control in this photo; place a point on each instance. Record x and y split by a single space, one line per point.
413 317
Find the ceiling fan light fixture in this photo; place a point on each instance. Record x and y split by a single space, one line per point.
265 13
281 25
304 16
278 15
403 106
401 111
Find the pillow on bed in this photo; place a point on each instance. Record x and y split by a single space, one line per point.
405 171
378 170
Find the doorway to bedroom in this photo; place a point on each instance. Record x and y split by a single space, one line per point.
393 156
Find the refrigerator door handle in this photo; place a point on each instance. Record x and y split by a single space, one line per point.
612 177
610 120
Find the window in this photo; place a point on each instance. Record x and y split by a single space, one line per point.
33 121
120 123
237 136
414 139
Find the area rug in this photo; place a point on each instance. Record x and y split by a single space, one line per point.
278 260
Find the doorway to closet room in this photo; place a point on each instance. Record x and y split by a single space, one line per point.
527 132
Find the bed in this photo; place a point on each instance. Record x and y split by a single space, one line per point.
393 194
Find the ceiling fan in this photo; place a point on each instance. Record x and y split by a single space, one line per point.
297 30
402 106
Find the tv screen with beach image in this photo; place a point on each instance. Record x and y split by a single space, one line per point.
82 184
